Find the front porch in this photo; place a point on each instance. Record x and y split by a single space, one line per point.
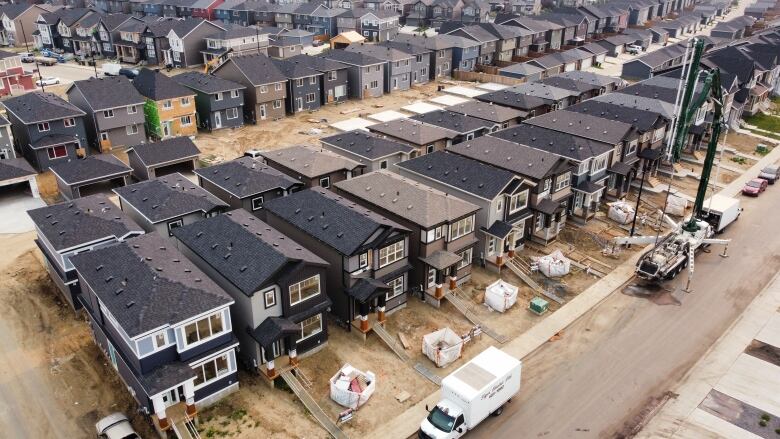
502 240
127 53
174 407
587 198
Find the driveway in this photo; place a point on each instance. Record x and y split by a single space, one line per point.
15 201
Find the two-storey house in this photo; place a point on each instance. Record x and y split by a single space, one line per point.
66 229
246 183
107 33
164 326
55 28
169 108
114 111
265 93
85 44
442 238
334 79
375 25
398 64
278 286
303 87
218 102
498 115
486 40
129 45
187 39
46 129
368 253
550 176
162 204
317 18
314 167
235 41
19 23
421 63
440 48
502 220
365 74
369 149
466 127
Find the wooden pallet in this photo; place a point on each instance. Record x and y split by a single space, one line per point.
312 406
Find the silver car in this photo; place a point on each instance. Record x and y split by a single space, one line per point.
115 426
771 173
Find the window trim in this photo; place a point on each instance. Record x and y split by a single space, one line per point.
461 264
44 127
392 294
229 357
466 230
395 253
319 318
513 204
325 182
222 315
170 225
272 291
565 177
261 198
290 287
69 122
51 149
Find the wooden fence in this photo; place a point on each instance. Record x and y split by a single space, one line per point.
485 77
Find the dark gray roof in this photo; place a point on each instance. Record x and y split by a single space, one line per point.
273 329
294 69
511 99
499 229
466 174
39 106
259 69
642 120
245 177
206 83
451 120
90 168
52 140
547 206
113 20
166 376
146 283
235 32
165 151
590 78
15 168
157 86
584 125
563 144
310 162
411 49
413 131
168 197
317 63
366 289
332 220
352 58
436 42
14 10
110 92
380 52
650 91
184 27
244 250
569 84
367 145
487 111
519 159
87 219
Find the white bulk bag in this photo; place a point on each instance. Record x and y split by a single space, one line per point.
500 295
442 347
342 388
554 265
621 212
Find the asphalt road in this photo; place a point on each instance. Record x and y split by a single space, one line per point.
614 365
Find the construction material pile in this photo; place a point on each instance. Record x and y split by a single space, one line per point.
553 265
621 212
351 387
500 295
442 347
676 205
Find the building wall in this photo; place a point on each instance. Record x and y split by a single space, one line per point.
116 126
328 89
297 93
174 114
254 97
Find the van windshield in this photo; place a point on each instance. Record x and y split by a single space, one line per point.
441 420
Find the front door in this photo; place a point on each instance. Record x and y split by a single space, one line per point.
217 119
173 396
263 113
166 128
299 103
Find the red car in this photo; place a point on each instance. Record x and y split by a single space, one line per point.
754 187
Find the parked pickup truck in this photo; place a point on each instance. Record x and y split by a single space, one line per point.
476 390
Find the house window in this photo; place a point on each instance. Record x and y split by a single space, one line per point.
465 258
332 76
631 148
310 327
305 289
392 253
176 56
270 298
205 328
325 182
174 224
263 89
185 101
439 232
499 206
214 369
103 136
583 167
377 68
167 104
461 228
313 80
396 288
299 82
186 120
374 84
278 86
383 164
278 103
43 127
547 184
132 109
257 203
562 181
363 260
310 97
491 250
57 152
69 122
131 129
218 95
599 164
234 94
231 113
518 201
429 149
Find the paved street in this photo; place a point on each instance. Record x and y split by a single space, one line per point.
67 72
615 363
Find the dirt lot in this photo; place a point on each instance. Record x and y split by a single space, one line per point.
744 143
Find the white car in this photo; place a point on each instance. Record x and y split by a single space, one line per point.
634 49
47 81
115 426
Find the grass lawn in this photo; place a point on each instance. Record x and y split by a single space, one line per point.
765 122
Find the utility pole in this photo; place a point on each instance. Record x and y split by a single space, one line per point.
639 196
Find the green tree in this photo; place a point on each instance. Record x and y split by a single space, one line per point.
152 117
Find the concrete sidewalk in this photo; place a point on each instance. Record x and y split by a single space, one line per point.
680 415
408 422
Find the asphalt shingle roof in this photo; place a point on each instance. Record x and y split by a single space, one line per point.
259 69
380 52
110 92
168 197
39 106
487 111
413 131
168 150
469 175
519 159
642 120
331 219
367 145
406 198
352 58
451 120
15 168
509 98
146 283
90 168
245 177
309 161
157 86
583 125
87 219
206 83
244 250
563 144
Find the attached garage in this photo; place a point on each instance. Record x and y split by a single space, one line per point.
152 160
17 172
94 174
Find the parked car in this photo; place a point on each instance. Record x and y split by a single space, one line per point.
27 57
49 54
633 49
771 174
754 187
129 73
115 426
47 81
